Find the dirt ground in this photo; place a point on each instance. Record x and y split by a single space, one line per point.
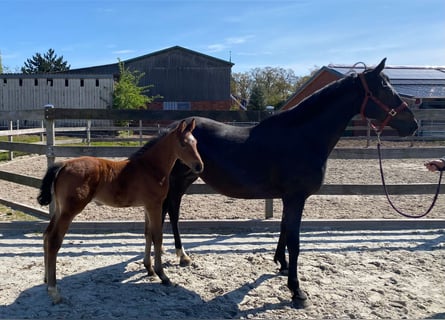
347 275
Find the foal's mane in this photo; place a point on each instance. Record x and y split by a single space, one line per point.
148 145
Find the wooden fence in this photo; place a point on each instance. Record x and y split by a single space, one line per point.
49 115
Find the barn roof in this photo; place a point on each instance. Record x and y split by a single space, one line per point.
113 68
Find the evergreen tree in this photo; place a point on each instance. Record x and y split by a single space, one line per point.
256 101
47 63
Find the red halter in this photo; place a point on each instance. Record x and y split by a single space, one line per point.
392 112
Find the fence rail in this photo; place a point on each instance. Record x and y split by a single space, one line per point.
51 150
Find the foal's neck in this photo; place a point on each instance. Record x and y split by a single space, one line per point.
160 158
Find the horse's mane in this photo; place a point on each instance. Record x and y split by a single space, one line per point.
148 145
314 104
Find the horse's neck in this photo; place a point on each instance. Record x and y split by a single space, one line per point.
327 115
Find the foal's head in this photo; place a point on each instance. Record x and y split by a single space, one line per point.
186 147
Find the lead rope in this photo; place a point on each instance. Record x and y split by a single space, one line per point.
387 194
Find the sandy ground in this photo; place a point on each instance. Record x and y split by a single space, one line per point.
348 275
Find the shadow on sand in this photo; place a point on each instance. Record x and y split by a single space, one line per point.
112 292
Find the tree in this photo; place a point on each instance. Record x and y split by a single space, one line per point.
275 84
256 101
127 93
1 65
47 63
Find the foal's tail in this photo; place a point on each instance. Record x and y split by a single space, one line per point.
44 198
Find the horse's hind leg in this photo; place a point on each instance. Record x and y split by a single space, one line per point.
172 205
52 241
280 252
181 178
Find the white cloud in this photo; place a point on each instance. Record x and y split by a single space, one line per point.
124 51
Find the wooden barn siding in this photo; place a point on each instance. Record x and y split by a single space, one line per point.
29 96
180 76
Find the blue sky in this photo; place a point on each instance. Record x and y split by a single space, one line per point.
296 34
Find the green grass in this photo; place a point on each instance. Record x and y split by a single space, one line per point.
8 214
4 156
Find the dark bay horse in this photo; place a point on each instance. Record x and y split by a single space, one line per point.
140 180
285 155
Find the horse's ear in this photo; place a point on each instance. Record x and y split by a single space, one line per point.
191 126
380 67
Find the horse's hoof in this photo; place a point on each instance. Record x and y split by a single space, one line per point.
299 300
167 282
54 294
185 261
284 272
299 304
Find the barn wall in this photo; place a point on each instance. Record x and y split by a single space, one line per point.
179 75
28 92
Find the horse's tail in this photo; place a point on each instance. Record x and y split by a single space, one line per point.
44 198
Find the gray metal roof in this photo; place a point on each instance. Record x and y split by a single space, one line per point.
419 82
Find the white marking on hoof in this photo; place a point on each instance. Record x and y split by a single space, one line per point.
53 292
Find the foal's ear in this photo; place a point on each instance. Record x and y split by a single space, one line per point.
181 127
380 67
191 126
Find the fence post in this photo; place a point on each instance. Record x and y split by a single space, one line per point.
269 208
88 132
140 133
50 142
11 139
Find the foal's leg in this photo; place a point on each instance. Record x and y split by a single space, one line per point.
154 212
52 241
148 239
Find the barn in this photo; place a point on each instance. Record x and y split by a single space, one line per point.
186 79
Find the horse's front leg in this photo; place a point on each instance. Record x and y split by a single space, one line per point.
154 213
292 213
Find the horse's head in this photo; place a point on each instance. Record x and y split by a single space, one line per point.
382 103
187 148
